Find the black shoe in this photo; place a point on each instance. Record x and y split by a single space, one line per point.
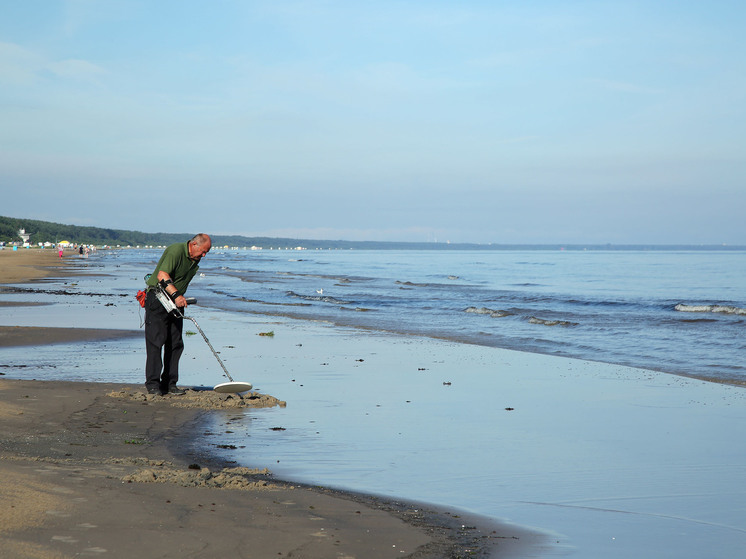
155 391
176 391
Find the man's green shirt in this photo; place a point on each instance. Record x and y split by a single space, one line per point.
176 263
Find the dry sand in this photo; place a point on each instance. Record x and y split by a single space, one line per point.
30 263
104 470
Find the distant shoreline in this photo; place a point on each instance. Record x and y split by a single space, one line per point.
45 231
304 244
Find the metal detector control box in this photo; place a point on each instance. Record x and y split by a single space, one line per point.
168 304
165 300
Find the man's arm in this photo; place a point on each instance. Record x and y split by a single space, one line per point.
179 301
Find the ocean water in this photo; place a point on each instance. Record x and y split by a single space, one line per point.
534 387
677 312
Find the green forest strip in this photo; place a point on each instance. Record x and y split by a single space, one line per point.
50 232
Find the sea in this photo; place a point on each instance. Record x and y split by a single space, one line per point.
677 312
591 395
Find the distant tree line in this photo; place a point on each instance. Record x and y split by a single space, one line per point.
49 232
46 231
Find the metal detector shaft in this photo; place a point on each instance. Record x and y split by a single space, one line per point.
168 304
215 353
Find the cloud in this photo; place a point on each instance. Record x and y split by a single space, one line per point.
20 66
76 69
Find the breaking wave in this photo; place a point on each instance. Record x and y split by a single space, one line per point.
722 309
490 312
531 319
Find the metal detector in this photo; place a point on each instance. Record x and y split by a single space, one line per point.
231 387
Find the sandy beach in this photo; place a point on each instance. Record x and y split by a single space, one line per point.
100 469
30 264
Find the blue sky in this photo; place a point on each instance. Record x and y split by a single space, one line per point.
482 121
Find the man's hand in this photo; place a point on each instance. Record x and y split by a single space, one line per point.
180 301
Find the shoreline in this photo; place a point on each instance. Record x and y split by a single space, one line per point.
87 459
85 470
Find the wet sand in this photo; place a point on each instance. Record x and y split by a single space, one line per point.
26 265
95 469
89 471
33 335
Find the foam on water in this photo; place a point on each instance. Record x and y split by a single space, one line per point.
723 309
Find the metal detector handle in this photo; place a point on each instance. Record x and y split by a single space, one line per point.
168 304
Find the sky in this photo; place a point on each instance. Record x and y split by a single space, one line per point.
473 121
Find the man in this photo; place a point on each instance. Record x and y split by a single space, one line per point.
163 339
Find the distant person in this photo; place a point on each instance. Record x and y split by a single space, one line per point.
163 331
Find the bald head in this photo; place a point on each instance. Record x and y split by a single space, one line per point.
199 246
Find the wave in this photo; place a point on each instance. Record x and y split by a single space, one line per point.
721 309
258 301
490 312
434 285
531 319
545 322
319 298
411 284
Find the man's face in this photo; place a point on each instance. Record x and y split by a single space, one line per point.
197 251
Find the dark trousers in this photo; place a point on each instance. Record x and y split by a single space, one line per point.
163 344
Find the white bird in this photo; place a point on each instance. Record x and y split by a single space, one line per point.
320 291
